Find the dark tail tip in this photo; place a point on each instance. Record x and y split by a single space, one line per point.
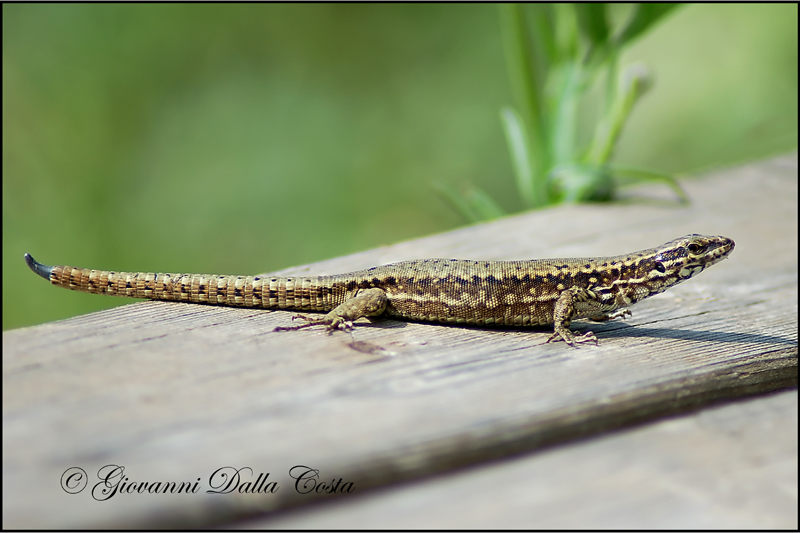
42 270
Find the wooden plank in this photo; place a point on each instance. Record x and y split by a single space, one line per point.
173 392
730 467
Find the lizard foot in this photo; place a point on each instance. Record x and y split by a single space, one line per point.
366 303
332 323
573 340
310 321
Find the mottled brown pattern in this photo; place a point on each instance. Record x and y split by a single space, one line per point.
451 291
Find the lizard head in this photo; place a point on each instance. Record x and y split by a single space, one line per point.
687 256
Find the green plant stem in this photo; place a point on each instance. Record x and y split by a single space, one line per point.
528 83
610 128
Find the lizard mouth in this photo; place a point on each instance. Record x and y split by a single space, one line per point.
720 253
704 261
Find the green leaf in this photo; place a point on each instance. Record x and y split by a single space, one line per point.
543 38
592 22
637 174
636 80
583 183
517 141
483 204
565 24
474 205
555 53
451 196
528 78
644 16
568 83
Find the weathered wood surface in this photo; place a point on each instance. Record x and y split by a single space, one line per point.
731 467
174 392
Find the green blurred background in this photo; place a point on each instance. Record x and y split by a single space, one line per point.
246 138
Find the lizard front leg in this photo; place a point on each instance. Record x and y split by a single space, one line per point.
563 312
366 302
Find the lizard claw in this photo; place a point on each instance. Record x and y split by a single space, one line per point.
310 321
573 340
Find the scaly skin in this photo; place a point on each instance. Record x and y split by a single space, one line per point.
450 291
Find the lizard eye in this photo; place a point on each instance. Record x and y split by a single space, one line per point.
695 248
660 267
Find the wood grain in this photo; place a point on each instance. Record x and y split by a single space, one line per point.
175 391
730 467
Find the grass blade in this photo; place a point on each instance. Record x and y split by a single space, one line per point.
474 205
637 174
520 157
635 83
527 81
483 204
644 16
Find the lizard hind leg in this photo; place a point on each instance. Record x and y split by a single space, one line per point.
366 303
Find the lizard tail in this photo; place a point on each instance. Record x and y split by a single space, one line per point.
302 294
40 269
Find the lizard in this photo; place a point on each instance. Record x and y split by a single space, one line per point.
449 291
